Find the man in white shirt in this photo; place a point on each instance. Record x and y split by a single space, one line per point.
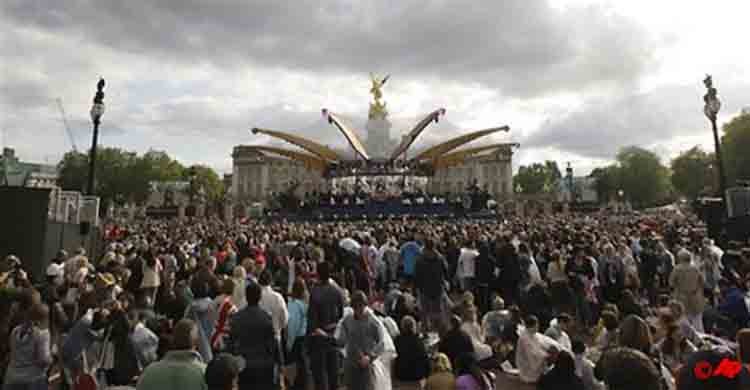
273 303
713 248
585 368
466 266
532 351
558 330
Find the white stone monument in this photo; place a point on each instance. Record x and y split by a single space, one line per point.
379 142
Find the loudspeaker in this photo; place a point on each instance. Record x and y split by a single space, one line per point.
711 211
85 227
738 229
23 226
738 202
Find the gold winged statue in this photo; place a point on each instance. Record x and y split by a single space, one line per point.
377 108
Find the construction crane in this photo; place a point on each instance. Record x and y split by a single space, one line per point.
65 123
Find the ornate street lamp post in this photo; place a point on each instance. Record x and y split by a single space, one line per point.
711 109
97 110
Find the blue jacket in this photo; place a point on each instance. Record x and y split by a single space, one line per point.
200 312
297 325
734 306
78 340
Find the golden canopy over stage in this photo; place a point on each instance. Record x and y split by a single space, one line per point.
321 157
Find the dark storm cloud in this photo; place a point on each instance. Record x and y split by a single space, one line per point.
523 48
599 129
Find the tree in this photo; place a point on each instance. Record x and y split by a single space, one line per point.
114 177
643 177
73 171
537 177
205 178
607 182
121 176
736 148
691 172
153 166
113 167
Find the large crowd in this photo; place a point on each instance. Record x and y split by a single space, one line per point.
591 302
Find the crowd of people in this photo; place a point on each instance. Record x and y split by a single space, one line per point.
570 301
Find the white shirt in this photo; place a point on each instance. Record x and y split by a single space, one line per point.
351 245
585 371
559 335
531 356
273 303
535 278
466 264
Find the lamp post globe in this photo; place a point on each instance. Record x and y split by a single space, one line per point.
712 107
97 110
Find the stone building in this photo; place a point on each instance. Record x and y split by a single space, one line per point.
493 171
255 175
16 173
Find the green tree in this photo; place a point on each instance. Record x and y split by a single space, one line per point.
736 148
113 167
554 175
153 166
691 172
643 177
73 171
537 177
121 176
607 182
205 179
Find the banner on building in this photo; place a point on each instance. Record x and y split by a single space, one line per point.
69 207
90 210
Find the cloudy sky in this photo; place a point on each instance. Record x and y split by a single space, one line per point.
574 79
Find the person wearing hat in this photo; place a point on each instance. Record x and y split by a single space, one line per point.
107 286
11 272
61 257
55 274
52 293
